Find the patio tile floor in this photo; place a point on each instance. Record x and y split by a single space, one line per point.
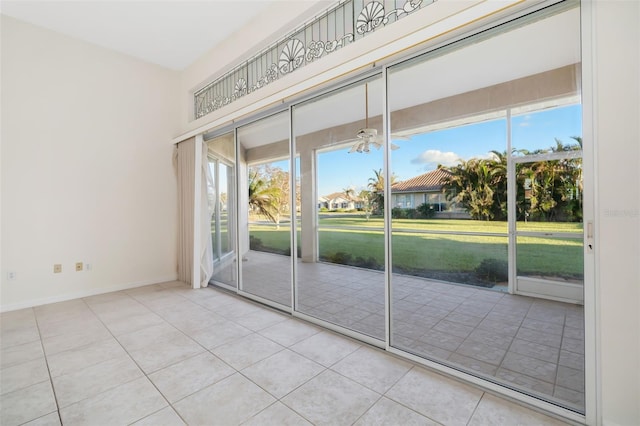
535 344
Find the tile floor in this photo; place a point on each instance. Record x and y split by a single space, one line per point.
534 344
168 355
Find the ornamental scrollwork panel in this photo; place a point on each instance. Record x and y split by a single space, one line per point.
294 53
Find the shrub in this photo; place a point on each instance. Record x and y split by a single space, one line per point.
255 243
427 210
493 270
340 257
369 263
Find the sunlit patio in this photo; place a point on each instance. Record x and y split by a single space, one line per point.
532 344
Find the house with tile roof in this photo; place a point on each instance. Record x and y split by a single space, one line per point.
338 200
426 188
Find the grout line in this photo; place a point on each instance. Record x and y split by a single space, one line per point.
46 360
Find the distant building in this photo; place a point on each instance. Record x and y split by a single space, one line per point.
426 188
338 200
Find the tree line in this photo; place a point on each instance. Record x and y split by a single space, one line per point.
548 190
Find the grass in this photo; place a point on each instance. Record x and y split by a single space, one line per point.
419 251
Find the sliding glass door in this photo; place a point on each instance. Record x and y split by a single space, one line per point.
453 233
340 272
486 232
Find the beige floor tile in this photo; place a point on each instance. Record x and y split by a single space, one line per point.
121 405
387 412
261 319
52 419
130 323
236 309
75 323
330 398
247 351
325 348
106 298
373 368
27 404
19 336
497 411
282 372
442 399
19 354
190 375
56 310
219 334
289 332
277 414
23 375
146 336
90 381
54 345
168 350
72 360
125 307
20 318
165 417
228 402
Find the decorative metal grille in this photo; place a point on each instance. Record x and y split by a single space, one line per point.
343 24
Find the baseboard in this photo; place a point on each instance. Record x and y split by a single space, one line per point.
80 294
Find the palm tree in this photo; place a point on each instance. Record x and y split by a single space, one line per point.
376 184
263 198
349 193
474 184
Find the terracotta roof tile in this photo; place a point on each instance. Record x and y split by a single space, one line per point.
431 181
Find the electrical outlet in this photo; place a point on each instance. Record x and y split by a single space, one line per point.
78 266
88 266
57 268
11 275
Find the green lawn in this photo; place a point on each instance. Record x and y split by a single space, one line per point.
417 252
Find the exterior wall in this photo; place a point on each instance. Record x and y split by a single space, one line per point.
87 172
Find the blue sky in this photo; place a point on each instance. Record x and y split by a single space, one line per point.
338 170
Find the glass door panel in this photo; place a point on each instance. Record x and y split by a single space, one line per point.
266 235
549 232
340 270
221 158
460 248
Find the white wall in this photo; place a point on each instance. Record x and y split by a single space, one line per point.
617 137
87 170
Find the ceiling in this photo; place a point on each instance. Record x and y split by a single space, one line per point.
169 33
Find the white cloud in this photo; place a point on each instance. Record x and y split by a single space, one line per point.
435 157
